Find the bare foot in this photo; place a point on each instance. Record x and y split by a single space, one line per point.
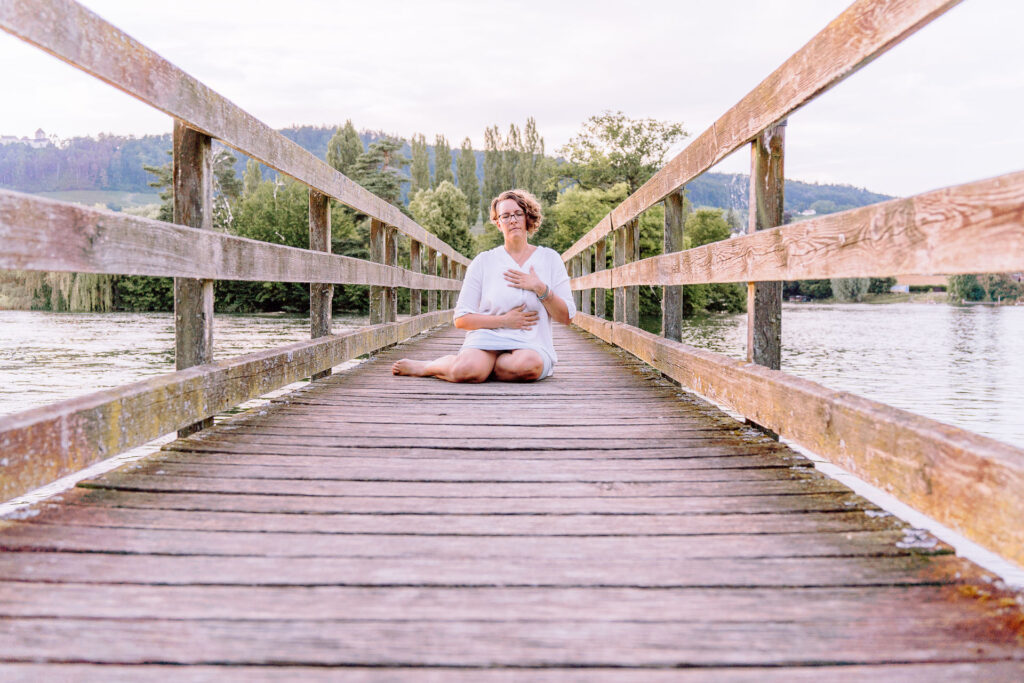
412 368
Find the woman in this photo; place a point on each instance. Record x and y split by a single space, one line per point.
508 300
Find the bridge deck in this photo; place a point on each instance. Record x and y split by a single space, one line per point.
597 519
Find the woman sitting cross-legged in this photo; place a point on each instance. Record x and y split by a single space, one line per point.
508 300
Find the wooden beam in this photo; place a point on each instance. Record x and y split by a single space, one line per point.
864 30
446 272
416 266
431 270
47 235
192 180
618 261
575 270
585 270
764 299
632 292
972 228
600 265
75 35
968 482
44 444
320 294
672 295
390 259
377 240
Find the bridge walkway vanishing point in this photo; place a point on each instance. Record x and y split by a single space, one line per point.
600 518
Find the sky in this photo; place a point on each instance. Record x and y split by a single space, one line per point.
942 108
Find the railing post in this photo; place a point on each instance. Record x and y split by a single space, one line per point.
672 295
619 293
600 263
576 263
585 270
431 270
320 293
193 299
632 293
764 299
377 256
391 259
443 294
416 266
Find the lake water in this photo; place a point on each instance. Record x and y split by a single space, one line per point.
964 366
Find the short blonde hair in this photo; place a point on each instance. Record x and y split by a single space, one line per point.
526 201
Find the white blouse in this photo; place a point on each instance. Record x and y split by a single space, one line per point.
486 291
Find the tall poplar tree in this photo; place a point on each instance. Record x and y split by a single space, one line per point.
344 148
468 182
494 183
252 178
510 158
442 161
531 155
420 163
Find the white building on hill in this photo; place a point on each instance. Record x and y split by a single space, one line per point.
40 140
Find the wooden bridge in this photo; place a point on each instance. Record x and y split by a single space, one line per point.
608 523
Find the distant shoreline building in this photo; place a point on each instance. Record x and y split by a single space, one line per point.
40 140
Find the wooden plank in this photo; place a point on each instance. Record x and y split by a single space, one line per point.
946 672
79 37
377 251
631 232
416 266
600 265
968 482
588 295
970 228
618 260
432 271
85 240
764 299
445 297
43 444
320 294
390 259
614 571
865 30
672 295
192 180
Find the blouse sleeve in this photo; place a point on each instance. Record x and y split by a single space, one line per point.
560 283
472 285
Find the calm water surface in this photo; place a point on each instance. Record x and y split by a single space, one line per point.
960 365
964 366
48 357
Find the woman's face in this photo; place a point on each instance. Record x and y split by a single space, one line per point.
516 223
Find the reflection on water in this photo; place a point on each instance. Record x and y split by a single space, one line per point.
963 366
48 357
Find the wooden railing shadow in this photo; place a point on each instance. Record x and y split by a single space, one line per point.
968 482
41 445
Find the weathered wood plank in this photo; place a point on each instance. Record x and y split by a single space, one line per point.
864 30
600 265
672 295
320 294
390 259
43 444
966 481
970 228
79 37
416 266
85 240
767 192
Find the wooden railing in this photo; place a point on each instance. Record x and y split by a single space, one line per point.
969 482
40 445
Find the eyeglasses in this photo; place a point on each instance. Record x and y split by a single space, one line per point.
509 217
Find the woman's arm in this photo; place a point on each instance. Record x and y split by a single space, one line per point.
516 319
553 304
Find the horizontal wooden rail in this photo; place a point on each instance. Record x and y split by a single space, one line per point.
972 228
865 30
968 482
44 444
43 234
75 35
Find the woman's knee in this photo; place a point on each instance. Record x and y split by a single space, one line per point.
519 366
470 370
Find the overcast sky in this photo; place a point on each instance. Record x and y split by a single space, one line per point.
944 107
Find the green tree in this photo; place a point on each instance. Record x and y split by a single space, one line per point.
420 170
378 169
613 148
442 161
881 285
510 157
443 212
531 155
163 179
253 177
227 189
848 289
493 181
705 226
468 182
344 148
